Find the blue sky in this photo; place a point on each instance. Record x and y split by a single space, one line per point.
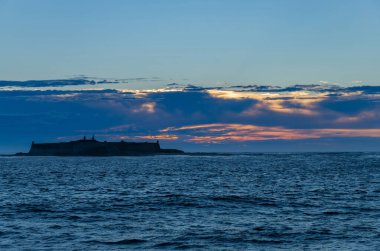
203 42
208 75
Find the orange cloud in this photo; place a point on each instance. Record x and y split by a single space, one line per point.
159 137
355 118
302 102
146 107
218 132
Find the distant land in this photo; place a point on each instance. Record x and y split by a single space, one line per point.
92 147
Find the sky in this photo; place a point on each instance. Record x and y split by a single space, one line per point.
210 75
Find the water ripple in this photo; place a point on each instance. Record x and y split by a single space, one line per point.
310 201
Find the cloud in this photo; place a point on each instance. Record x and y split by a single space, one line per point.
48 83
158 137
148 107
193 114
76 81
214 133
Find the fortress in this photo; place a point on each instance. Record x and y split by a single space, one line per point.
92 147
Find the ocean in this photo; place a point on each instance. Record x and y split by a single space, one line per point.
302 201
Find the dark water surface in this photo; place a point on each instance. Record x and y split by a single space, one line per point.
232 202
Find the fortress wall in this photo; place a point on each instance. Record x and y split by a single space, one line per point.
94 148
48 149
143 147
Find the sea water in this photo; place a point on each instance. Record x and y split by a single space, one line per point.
312 201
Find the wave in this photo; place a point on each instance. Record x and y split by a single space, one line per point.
245 199
120 242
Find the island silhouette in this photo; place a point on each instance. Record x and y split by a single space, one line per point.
92 147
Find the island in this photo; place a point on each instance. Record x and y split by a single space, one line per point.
92 147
